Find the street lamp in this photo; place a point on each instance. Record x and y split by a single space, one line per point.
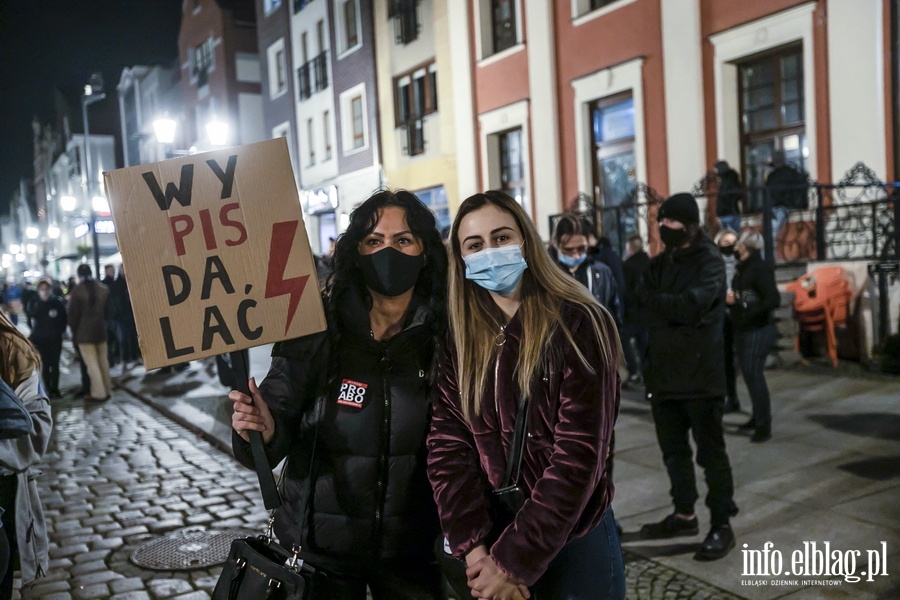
32 233
68 203
217 131
164 128
93 93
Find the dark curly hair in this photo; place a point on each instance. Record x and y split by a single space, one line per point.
431 285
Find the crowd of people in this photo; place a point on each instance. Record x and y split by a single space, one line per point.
401 423
455 421
96 315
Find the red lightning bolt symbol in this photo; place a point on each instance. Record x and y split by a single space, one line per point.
276 284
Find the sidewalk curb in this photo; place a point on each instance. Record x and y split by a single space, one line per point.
178 417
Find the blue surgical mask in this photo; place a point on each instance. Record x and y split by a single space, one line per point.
572 261
497 270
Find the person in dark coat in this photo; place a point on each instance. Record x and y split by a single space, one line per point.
570 250
730 196
788 190
113 310
634 329
130 351
49 320
87 319
601 249
365 384
754 299
684 291
726 240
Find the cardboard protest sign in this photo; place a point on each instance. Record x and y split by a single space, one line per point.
216 252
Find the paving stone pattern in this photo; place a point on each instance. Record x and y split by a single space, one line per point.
120 474
646 579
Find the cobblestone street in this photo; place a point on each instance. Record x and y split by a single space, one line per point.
119 474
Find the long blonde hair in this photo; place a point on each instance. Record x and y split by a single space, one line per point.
475 319
18 357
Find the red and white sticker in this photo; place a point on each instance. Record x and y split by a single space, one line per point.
353 393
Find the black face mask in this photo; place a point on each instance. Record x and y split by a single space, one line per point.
672 238
726 250
390 272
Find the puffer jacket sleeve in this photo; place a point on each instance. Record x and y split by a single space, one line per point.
288 388
460 487
691 305
588 407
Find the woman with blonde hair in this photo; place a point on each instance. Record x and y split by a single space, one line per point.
22 516
526 339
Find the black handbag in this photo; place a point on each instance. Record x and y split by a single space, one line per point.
505 502
15 422
257 567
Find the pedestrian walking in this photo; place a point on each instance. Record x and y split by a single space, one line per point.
726 240
684 291
730 196
526 340
87 319
754 299
372 519
49 320
634 329
22 519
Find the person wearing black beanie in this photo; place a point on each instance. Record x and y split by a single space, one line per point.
684 295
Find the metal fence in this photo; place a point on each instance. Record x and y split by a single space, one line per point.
853 219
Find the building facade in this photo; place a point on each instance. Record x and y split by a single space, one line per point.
220 74
608 94
145 94
336 112
273 26
417 86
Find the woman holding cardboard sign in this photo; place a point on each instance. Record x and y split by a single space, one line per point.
356 398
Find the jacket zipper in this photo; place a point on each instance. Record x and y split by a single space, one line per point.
385 452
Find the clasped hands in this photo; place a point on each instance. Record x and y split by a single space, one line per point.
488 581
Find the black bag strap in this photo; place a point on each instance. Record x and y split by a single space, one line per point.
517 448
271 498
318 416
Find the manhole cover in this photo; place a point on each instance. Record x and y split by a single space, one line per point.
186 549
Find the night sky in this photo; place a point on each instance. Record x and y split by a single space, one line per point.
47 44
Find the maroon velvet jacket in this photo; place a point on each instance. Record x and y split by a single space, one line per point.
570 424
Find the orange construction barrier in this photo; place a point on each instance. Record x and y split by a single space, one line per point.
821 303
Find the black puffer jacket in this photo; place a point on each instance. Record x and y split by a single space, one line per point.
372 499
684 295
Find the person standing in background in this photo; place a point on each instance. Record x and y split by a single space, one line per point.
87 319
130 351
634 328
787 189
730 196
570 249
684 292
48 316
754 299
726 240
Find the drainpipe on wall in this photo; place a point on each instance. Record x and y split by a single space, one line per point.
895 82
